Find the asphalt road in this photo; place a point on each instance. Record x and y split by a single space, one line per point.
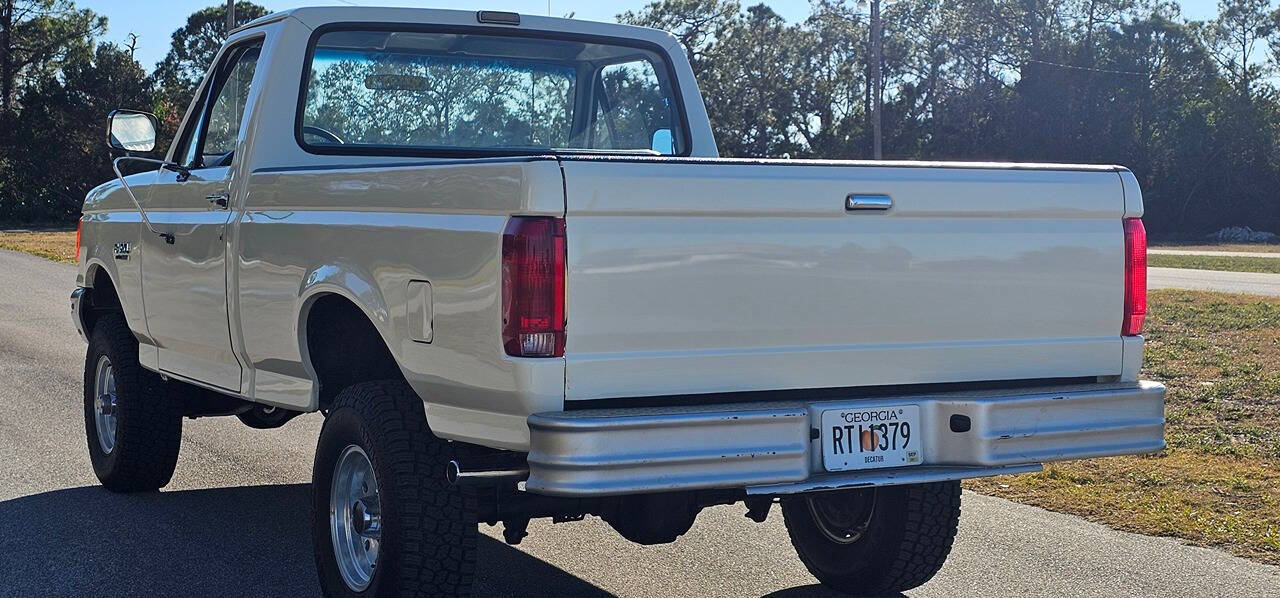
234 520
1255 283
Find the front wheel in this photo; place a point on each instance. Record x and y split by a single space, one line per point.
133 428
873 541
385 521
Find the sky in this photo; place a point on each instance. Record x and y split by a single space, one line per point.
155 21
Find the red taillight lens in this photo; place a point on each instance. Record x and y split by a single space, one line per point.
1135 276
78 222
533 261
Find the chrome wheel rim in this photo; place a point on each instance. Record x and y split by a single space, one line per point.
843 517
104 404
355 517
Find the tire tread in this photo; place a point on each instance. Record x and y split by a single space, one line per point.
437 530
932 521
149 427
929 521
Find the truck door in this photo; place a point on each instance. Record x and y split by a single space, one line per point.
185 283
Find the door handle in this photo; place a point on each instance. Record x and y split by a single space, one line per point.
218 199
859 201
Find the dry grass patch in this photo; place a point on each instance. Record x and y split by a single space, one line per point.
1207 500
59 246
1218 483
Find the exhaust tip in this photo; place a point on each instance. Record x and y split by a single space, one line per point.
457 476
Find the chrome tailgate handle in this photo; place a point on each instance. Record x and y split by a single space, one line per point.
858 201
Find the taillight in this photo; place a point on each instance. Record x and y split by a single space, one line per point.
78 222
533 262
1135 276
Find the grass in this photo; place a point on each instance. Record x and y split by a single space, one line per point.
1206 262
1252 247
59 246
1218 482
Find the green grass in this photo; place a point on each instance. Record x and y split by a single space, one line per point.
1252 247
1218 482
1269 265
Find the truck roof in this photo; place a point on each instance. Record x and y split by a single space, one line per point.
317 16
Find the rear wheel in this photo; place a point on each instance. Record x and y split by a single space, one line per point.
874 541
385 521
133 430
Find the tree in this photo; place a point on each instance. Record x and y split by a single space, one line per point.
36 37
745 65
1232 37
1191 107
39 41
696 23
751 93
829 85
61 131
191 52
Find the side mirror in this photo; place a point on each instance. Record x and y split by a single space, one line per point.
663 142
131 131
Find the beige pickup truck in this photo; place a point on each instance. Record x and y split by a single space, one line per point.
500 254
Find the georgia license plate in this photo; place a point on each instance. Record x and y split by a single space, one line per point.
872 437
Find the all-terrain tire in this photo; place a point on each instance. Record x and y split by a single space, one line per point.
903 542
148 426
428 527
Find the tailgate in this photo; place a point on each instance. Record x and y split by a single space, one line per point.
702 276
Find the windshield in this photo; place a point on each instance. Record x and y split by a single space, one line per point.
412 92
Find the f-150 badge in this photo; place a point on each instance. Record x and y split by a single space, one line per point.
122 251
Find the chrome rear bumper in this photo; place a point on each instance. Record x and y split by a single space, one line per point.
772 448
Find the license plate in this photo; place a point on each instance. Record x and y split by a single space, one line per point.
872 437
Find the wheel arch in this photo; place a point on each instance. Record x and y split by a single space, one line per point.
104 296
344 335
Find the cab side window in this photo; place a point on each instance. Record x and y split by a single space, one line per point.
210 139
228 109
630 106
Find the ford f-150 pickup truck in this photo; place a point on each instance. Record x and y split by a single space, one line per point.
501 255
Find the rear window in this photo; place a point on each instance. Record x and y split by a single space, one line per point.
414 92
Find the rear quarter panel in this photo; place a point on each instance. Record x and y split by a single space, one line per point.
365 232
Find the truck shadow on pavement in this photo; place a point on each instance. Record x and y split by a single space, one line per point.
816 591
245 541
